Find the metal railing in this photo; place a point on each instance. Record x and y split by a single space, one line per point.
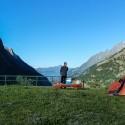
34 80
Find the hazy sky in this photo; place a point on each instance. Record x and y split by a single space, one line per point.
48 32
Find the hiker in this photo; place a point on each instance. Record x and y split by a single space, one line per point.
122 82
63 72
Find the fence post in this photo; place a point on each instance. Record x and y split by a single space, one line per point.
36 80
5 80
52 79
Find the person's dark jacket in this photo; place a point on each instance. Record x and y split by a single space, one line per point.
63 71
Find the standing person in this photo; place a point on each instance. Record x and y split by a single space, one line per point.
63 72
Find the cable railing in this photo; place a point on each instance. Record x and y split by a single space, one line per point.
26 79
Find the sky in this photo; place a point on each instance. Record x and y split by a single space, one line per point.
48 32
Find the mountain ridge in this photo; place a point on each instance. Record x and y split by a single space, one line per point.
106 71
97 58
12 64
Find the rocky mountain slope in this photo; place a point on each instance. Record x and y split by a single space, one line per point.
12 64
107 70
97 58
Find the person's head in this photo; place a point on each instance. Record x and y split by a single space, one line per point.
65 63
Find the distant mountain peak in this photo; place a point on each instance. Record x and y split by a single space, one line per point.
10 50
118 46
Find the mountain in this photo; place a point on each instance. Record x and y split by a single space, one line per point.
75 72
97 58
12 64
50 71
107 70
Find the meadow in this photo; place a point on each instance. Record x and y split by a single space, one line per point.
23 105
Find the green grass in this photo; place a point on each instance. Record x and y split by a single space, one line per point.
47 106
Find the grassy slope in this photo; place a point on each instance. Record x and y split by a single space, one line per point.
47 106
106 71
